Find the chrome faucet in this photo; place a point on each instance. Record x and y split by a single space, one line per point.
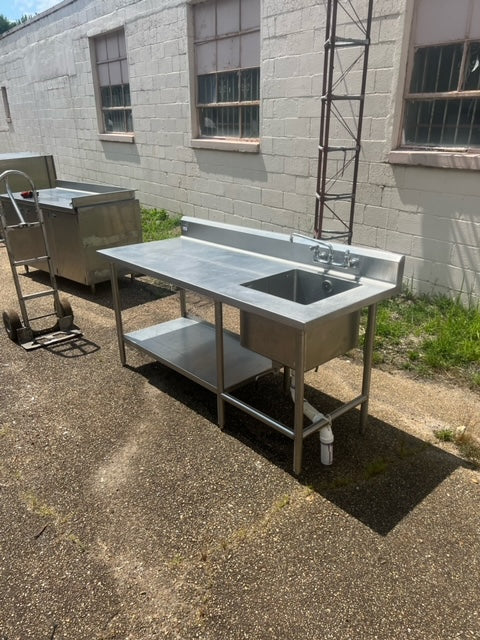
318 255
326 255
350 262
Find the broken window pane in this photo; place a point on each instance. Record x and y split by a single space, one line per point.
449 120
220 121
436 69
472 71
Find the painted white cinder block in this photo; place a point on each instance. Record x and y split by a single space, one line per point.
429 214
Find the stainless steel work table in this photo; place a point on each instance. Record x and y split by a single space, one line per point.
218 260
79 219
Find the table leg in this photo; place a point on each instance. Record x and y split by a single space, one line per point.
220 364
299 395
118 312
367 363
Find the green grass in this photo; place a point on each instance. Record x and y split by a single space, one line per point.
157 224
429 336
444 435
466 442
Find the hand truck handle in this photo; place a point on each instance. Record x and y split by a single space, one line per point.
4 177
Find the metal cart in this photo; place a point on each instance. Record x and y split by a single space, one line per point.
18 235
79 217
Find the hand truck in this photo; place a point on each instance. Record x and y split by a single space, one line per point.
13 226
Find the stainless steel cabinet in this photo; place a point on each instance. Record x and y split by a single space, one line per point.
80 218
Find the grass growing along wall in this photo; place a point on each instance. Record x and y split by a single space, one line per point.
429 335
157 224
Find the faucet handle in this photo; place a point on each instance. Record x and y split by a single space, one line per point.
348 261
318 255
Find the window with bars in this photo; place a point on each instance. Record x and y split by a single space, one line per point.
442 102
227 64
113 85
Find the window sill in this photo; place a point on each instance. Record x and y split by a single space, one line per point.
117 137
226 145
440 159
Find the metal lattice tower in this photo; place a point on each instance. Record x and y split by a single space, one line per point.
343 96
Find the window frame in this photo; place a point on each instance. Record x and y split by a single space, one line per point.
222 142
104 134
461 156
456 95
6 105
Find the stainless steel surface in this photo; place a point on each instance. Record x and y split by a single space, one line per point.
259 415
118 312
70 196
80 219
188 346
298 435
367 362
246 269
276 340
40 168
302 287
220 267
220 375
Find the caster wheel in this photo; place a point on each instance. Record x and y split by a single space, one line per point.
65 308
12 323
65 315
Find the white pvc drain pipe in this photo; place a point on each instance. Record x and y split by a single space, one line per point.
325 432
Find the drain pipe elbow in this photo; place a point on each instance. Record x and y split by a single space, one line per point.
326 444
326 433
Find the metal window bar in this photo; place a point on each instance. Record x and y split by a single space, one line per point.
220 86
458 121
326 180
444 122
474 111
451 89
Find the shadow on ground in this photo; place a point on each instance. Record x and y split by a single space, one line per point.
75 348
133 290
378 477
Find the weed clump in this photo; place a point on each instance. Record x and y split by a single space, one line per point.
157 224
429 336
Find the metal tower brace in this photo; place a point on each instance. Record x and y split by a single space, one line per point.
334 45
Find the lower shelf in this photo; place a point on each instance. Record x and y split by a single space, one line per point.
188 346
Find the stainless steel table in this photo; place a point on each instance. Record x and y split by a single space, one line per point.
221 261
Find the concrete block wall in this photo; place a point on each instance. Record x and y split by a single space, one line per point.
429 214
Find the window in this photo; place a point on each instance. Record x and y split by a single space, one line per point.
6 105
113 88
227 66
442 101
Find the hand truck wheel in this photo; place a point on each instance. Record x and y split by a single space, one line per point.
65 311
65 308
12 323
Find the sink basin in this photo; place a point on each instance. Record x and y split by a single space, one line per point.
303 287
277 341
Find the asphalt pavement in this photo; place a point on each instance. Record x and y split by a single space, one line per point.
126 513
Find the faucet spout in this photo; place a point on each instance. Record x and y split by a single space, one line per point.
318 255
